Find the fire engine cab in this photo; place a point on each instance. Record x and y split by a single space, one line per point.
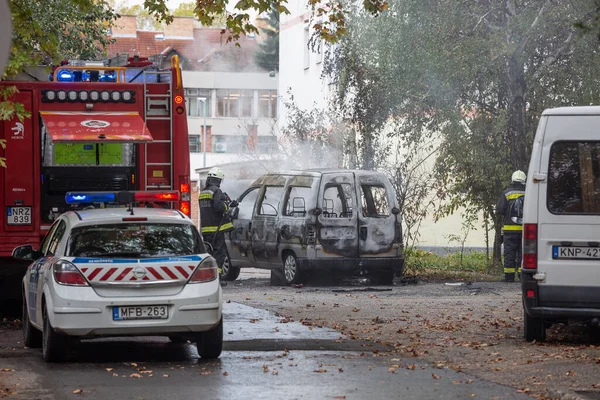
92 128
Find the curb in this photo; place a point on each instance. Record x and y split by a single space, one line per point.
562 394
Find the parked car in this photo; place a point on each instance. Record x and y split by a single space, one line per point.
121 272
561 215
317 220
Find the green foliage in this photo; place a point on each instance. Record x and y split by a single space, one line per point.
430 265
268 56
46 32
185 10
473 77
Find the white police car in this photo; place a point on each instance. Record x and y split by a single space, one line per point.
120 272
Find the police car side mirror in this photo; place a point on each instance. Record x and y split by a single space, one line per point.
25 252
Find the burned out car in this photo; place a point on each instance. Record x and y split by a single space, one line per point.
317 220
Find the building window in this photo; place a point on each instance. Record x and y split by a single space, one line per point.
306 49
268 103
197 102
234 103
195 143
267 144
229 144
219 144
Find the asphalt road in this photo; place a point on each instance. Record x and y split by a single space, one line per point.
265 357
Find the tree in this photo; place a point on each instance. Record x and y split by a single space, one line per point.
268 56
473 75
185 10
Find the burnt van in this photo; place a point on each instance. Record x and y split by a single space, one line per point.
299 222
561 215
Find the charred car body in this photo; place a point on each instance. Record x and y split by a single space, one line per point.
317 220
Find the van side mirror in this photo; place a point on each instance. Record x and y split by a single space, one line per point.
395 211
25 252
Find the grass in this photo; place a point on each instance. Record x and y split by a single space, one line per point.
430 266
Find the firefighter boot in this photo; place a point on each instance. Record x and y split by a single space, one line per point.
509 277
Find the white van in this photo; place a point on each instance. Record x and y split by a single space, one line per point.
561 230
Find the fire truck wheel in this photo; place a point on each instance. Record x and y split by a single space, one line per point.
230 273
210 343
54 345
31 336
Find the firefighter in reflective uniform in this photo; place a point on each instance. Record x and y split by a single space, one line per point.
510 207
214 221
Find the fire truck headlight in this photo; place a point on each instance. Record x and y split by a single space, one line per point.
94 95
116 96
83 95
105 95
72 95
62 95
50 95
127 95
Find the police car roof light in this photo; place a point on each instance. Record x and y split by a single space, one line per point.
150 196
89 197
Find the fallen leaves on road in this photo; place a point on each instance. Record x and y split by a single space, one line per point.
434 376
135 375
77 391
109 369
320 370
265 368
392 370
225 373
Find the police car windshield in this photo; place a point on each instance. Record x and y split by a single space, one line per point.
135 240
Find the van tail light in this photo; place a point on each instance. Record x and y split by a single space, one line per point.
206 271
530 235
66 273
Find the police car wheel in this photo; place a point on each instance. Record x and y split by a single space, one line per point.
291 272
534 329
229 272
54 346
210 343
31 336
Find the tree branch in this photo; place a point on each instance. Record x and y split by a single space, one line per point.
554 56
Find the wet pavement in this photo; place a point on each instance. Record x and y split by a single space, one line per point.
265 357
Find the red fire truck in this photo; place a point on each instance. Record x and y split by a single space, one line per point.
92 128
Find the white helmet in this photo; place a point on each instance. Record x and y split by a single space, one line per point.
519 176
216 172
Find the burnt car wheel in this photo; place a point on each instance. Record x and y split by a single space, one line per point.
291 272
229 272
54 345
384 277
31 336
210 343
534 329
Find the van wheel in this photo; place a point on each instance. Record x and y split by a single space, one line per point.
534 329
229 272
210 343
291 272
54 345
31 336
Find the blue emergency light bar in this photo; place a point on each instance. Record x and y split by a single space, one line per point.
65 76
90 197
121 197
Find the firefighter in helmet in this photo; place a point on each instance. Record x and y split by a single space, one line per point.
510 208
214 221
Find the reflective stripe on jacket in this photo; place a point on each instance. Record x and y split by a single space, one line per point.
213 210
504 204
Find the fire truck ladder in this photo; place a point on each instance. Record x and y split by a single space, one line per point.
158 108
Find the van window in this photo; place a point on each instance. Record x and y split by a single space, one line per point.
375 201
337 201
295 201
271 198
574 178
246 204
